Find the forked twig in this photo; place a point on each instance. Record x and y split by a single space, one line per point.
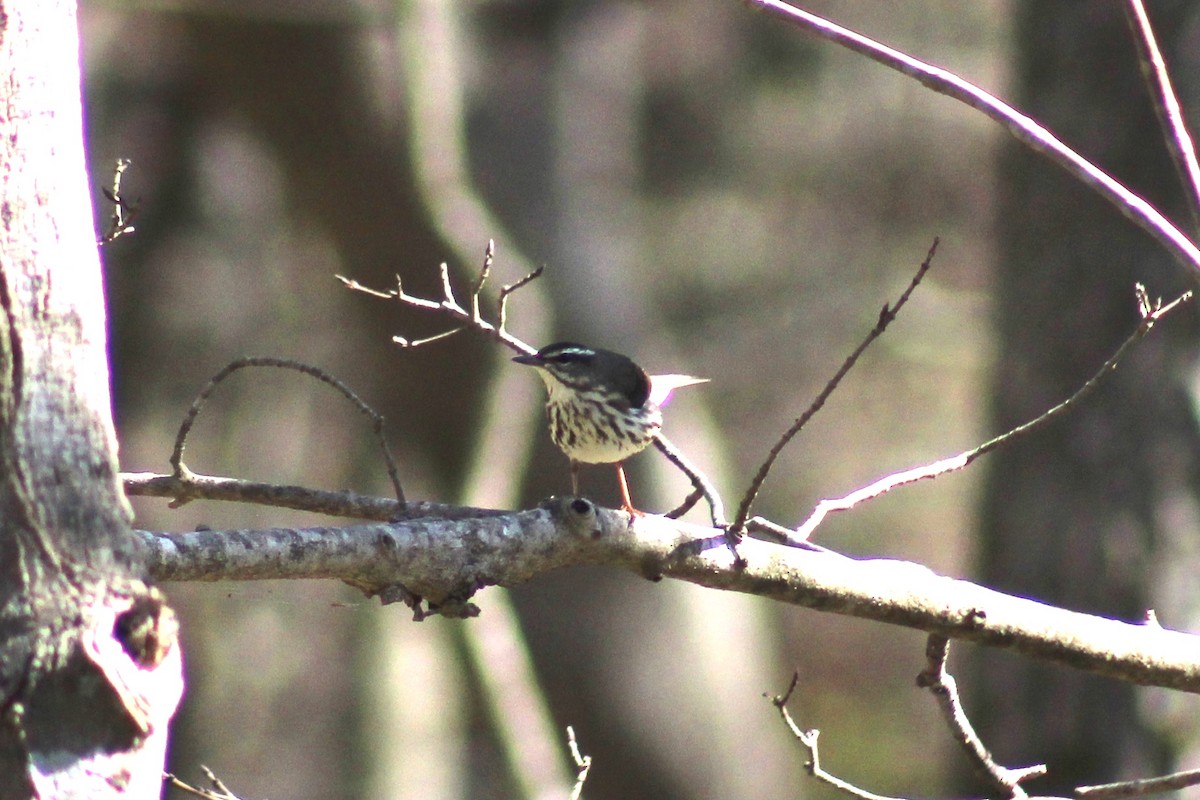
449 304
582 763
506 290
941 683
1150 311
701 485
886 315
183 474
809 740
219 791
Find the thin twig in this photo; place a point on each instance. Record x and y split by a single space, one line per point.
123 213
1024 128
765 530
448 288
400 340
702 485
582 762
1150 312
181 471
334 504
687 505
219 791
472 318
809 740
941 683
886 315
1140 788
505 291
1166 106
489 254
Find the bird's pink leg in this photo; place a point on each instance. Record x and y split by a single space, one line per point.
627 503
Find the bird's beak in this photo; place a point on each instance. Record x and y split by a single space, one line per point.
529 360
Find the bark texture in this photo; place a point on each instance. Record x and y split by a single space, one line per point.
90 673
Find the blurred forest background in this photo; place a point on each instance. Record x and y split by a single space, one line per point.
711 192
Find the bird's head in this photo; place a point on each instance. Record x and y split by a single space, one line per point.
571 367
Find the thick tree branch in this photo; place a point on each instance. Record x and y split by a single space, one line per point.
90 663
445 562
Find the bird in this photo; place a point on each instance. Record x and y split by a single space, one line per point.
602 407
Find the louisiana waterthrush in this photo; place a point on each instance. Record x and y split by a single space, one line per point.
603 408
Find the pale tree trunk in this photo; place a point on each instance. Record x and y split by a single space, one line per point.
90 670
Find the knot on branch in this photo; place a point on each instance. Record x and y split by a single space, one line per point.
580 515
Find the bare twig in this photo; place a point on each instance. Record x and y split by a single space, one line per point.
472 318
123 213
687 505
183 474
1140 788
941 683
1151 312
582 762
219 791
886 315
809 740
703 487
1007 781
505 291
775 533
1024 128
1166 106
335 504
489 255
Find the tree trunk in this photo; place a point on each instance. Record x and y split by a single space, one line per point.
1096 512
90 671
